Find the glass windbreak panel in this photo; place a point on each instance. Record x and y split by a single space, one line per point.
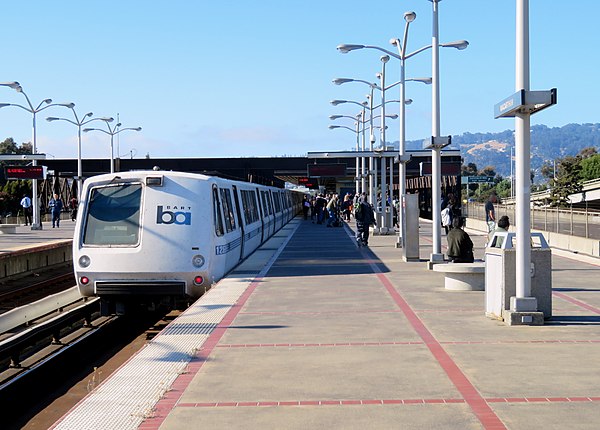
113 216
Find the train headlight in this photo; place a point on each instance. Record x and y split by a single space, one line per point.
84 261
198 260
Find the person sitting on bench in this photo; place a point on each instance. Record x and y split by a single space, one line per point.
460 246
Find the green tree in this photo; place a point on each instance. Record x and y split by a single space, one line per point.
590 168
567 181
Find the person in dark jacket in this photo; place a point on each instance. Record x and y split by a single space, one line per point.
365 218
460 246
55 205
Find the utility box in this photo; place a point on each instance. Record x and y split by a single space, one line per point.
410 226
500 274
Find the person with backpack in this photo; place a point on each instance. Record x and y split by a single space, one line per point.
365 217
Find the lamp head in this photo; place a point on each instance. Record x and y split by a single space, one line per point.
340 81
408 101
393 116
458 44
332 117
337 102
138 129
89 114
345 48
118 124
394 41
107 119
52 118
47 101
4 105
331 127
85 130
378 75
409 16
385 58
14 85
68 105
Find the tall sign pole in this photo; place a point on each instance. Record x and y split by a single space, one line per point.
520 106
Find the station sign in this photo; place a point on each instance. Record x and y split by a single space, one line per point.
524 102
326 170
25 172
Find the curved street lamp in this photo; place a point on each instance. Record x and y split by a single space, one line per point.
112 132
44 104
79 122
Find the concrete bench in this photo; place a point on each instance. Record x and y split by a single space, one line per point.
8 228
463 276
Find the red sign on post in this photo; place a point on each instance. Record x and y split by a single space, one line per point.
25 172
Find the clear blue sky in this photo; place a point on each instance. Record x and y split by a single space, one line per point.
253 78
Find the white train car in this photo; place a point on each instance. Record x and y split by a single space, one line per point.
154 235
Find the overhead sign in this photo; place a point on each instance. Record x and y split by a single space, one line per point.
326 170
478 179
310 183
25 172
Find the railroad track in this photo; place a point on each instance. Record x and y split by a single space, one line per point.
30 289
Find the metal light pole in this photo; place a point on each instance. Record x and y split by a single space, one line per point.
44 104
383 229
112 132
79 123
436 160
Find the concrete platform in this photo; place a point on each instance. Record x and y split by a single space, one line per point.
327 335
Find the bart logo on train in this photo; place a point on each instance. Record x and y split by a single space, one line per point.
171 217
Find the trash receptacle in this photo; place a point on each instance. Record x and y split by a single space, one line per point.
500 274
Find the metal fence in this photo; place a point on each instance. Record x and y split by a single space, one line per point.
574 222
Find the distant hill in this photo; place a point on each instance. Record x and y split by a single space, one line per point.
547 144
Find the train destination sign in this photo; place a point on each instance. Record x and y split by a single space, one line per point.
25 172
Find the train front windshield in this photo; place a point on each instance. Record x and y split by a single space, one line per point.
113 215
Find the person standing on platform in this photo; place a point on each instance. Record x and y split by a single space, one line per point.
27 209
305 207
490 213
55 205
365 217
73 204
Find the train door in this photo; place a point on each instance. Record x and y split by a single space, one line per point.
240 220
232 232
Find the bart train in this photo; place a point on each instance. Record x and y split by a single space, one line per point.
154 236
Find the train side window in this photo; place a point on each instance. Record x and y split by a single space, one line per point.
218 220
277 202
227 209
269 202
266 203
250 208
